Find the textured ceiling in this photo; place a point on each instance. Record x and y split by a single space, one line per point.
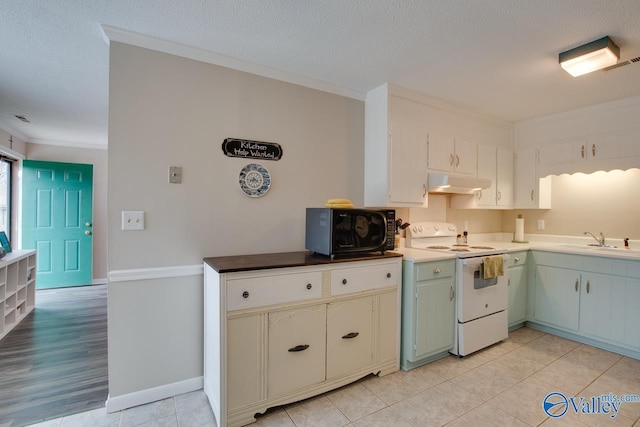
496 57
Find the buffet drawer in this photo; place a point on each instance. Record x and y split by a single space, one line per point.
267 290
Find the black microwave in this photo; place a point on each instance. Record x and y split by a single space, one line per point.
333 231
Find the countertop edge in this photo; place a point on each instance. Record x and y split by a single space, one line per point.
251 262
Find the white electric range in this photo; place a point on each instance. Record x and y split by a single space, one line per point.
481 304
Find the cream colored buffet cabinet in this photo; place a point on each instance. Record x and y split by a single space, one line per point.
279 328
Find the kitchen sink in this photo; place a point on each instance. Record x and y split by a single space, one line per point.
618 250
611 249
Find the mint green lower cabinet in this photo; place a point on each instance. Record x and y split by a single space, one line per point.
557 297
428 311
609 309
517 273
592 299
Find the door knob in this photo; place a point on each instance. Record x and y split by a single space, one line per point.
87 232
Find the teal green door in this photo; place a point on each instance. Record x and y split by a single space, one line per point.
57 217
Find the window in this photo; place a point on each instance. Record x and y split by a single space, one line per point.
5 195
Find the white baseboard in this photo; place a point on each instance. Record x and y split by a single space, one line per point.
125 401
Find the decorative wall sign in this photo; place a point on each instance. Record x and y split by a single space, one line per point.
248 149
254 180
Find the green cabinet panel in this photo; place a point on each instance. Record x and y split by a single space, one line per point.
434 318
428 311
517 273
557 297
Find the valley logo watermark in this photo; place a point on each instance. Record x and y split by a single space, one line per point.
557 404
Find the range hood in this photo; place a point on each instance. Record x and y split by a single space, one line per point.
442 183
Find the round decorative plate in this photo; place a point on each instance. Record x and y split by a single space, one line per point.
255 180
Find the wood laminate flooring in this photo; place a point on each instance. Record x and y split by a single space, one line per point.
54 363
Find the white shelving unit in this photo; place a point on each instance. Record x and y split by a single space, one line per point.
17 288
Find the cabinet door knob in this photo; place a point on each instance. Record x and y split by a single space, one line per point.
593 150
87 232
516 260
245 294
532 195
457 160
309 286
499 195
436 270
388 275
576 285
300 347
350 335
88 224
582 151
588 284
450 159
344 281
451 293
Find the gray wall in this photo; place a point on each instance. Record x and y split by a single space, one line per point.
165 110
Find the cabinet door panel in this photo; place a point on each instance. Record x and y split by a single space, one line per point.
557 299
487 167
388 327
466 159
349 336
441 154
408 151
244 347
517 311
297 347
434 318
504 177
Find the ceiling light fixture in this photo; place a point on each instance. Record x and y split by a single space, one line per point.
590 57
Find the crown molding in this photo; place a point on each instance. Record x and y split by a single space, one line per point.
114 34
70 144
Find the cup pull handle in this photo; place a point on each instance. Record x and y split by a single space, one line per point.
350 335
300 347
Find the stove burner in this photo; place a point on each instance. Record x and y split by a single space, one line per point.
481 247
460 250
437 247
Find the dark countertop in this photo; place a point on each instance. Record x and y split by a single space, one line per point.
235 263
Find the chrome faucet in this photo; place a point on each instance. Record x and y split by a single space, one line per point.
599 239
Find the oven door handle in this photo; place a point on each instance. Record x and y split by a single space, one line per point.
476 261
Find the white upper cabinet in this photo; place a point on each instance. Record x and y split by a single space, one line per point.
449 153
530 192
602 137
504 177
395 151
589 154
408 135
487 168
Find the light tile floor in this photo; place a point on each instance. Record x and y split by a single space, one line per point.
503 385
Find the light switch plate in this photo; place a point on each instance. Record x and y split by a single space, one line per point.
175 175
132 220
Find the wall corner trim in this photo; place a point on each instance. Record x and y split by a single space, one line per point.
155 273
129 400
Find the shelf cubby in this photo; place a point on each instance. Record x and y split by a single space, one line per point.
17 288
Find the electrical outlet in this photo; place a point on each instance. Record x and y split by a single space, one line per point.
132 220
175 175
541 224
